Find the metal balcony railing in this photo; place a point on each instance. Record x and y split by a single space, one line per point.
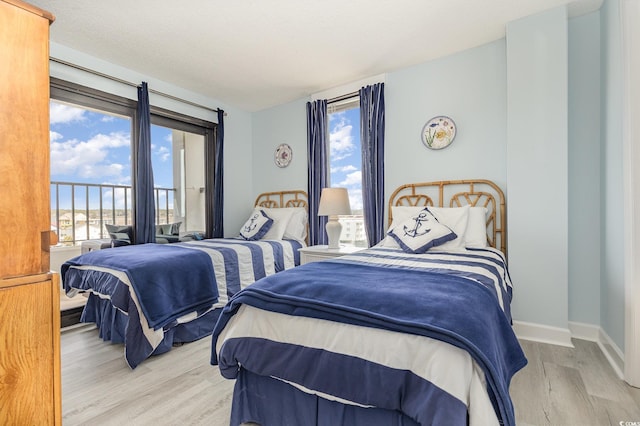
79 211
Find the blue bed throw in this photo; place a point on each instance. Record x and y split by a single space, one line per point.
169 281
450 308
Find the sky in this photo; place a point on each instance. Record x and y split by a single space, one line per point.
345 156
93 147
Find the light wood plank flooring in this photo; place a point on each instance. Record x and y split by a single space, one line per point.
559 386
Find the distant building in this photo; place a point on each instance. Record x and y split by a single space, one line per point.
353 233
67 219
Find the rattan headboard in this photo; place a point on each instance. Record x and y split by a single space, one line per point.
281 199
457 193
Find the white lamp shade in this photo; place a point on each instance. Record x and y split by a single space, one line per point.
333 202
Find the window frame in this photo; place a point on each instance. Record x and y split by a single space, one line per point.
337 105
90 98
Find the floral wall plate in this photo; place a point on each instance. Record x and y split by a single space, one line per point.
283 155
439 132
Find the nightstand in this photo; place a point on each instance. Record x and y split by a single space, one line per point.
318 253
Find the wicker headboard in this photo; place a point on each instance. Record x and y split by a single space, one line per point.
281 199
457 193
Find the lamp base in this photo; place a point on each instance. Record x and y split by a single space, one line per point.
334 228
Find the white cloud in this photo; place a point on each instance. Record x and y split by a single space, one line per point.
61 113
355 199
343 169
108 197
54 136
351 179
341 140
164 153
88 159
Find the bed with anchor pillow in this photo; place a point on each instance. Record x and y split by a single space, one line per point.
416 330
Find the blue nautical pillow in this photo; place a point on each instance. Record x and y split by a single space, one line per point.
256 226
421 232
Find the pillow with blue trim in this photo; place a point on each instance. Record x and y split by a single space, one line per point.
256 226
421 232
122 233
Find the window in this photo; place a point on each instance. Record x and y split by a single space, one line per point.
91 167
178 176
345 161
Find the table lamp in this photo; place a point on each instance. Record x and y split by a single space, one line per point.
334 202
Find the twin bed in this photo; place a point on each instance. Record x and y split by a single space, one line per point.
403 333
414 331
153 296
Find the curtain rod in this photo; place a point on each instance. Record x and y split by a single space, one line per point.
128 83
343 97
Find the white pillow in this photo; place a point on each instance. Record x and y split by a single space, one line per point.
421 232
455 218
297 227
280 218
400 214
476 234
256 226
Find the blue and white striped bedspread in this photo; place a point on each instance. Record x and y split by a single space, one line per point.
460 298
155 273
229 265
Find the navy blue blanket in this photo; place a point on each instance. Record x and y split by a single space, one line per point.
450 308
169 281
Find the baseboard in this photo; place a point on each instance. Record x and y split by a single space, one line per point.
543 333
596 334
562 337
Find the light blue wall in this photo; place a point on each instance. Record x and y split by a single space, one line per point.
468 86
238 132
471 87
584 169
537 163
612 268
282 124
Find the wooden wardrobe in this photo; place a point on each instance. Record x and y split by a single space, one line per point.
30 391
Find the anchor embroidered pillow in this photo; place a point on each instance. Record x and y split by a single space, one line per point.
256 226
421 232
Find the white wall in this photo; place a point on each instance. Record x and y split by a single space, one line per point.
193 215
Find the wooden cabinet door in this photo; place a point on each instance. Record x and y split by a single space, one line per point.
24 144
30 351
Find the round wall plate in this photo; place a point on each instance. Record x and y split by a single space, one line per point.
283 155
439 132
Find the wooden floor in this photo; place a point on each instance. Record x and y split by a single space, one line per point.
559 386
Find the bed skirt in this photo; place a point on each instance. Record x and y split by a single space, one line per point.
268 401
112 325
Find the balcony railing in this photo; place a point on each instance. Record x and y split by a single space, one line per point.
79 211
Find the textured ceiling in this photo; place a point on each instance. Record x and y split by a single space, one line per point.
255 54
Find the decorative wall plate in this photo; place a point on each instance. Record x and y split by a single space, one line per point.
439 132
283 155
